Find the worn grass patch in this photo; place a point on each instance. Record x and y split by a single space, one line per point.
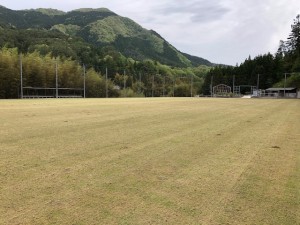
150 161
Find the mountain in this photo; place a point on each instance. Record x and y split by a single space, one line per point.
96 28
197 60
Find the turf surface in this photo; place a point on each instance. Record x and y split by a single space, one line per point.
150 161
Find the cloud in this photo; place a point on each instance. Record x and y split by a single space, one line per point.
198 10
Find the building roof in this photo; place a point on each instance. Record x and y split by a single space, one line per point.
222 85
281 89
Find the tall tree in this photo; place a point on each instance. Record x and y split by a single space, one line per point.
293 41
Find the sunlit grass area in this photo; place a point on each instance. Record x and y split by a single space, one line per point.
150 161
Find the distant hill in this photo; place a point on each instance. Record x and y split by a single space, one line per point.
197 60
99 28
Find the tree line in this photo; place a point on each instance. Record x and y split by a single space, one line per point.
113 76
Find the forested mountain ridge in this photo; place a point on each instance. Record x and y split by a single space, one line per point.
97 28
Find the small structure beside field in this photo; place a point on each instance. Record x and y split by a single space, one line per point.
288 92
221 90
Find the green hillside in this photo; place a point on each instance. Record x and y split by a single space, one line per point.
97 28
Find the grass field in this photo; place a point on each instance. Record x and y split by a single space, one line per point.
150 161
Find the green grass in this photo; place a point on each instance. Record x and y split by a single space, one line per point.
150 161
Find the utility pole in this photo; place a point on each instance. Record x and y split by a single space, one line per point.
174 81
257 87
83 80
152 86
211 85
106 85
125 84
233 80
140 83
56 79
284 84
191 85
164 84
21 75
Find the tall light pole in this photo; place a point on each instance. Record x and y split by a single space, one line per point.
152 85
84 80
257 86
233 80
211 85
56 79
191 85
140 84
21 75
284 89
284 84
125 84
106 85
164 84
174 86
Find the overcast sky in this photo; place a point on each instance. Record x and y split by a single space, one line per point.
222 31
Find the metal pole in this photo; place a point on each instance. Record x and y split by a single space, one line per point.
164 84
211 85
124 73
152 85
257 87
106 85
84 86
125 84
140 84
284 84
233 80
21 75
56 79
191 85
174 86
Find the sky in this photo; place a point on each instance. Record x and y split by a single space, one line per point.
222 31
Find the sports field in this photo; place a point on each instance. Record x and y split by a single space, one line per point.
150 161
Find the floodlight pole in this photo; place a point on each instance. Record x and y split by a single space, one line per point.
56 79
152 85
84 85
191 85
257 87
211 85
164 84
174 86
140 84
284 84
106 86
233 80
125 84
21 75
